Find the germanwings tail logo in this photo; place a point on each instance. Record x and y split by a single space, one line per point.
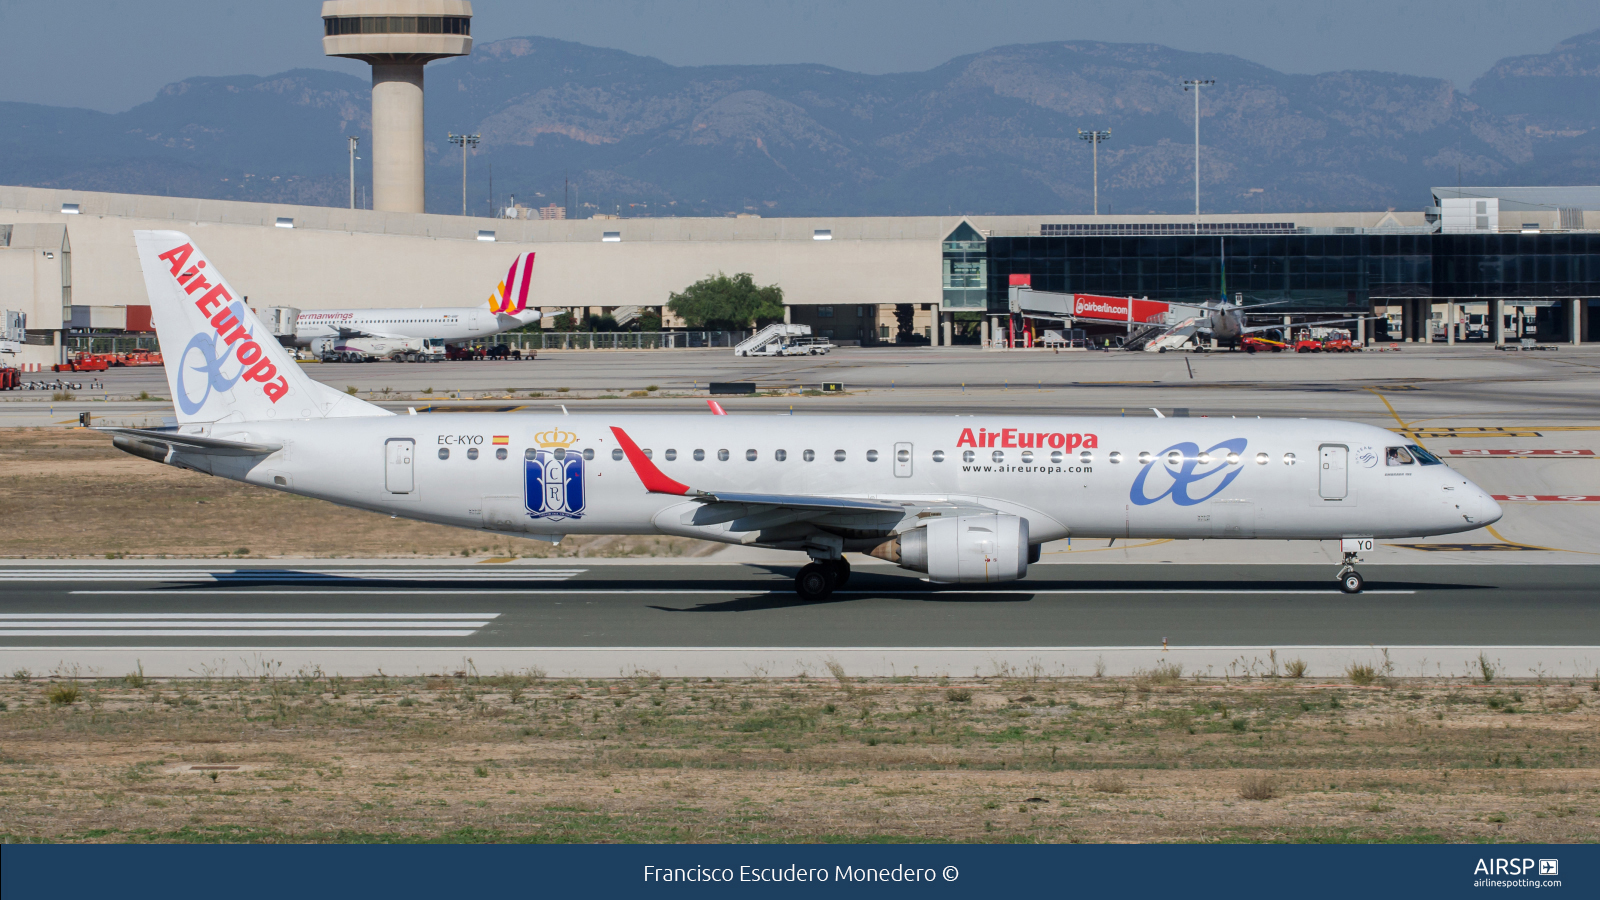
511 296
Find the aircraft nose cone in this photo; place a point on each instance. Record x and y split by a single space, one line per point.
1488 511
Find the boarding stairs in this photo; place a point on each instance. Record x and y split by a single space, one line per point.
777 331
626 314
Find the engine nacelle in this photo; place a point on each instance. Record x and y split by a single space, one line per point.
963 549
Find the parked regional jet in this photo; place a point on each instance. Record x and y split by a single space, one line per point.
507 309
966 499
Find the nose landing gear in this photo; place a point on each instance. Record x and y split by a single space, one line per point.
1350 581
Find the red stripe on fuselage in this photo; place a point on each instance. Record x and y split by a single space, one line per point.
654 481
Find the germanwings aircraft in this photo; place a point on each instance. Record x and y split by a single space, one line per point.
507 309
962 499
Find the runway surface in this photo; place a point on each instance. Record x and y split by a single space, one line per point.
596 619
596 605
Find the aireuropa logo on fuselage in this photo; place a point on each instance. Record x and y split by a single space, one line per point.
553 477
1183 466
207 352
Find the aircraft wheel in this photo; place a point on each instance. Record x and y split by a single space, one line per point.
841 572
1161 349
1351 582
814 581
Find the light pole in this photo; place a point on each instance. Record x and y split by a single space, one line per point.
354 141
1095 137
471 140
1196 84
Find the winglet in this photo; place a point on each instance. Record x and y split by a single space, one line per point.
654 481
716 408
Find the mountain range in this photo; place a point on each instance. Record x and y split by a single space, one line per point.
990 133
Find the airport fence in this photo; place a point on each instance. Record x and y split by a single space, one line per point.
111 343
612 340
516 340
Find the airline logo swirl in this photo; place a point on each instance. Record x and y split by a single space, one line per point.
228 353
553 478
1189 472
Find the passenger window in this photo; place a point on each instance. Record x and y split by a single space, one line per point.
648 453
1055 456
531 453
444 452
588 453
968 456
561 453
500 453
1288 459
750 455
472 453
903 456
615 454
838 456
699 456
872 456
1116 457
670 454
1261 459
1145 457
998 456
1399 456
722 455
1086 457
938 456
780 455
1027 456
809 455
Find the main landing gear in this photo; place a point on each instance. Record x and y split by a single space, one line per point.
1350 581
819 578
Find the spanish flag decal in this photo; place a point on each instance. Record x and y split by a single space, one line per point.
501 439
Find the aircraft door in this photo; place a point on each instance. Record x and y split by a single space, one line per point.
1333 478
902 460
397 471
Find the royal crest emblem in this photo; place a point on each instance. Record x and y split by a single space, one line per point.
553 477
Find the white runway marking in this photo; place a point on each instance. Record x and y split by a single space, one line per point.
394 574
446 592
243 624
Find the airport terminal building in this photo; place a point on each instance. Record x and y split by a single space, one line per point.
67 262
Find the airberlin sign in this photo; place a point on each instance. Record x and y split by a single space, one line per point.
1089 306
227 317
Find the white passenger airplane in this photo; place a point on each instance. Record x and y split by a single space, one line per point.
962 499
507 309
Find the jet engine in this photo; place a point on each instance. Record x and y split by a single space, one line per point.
963 549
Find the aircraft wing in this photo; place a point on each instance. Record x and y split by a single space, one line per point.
347 333
752 511
1258 328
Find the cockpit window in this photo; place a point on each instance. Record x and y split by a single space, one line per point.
1399 456
1423 456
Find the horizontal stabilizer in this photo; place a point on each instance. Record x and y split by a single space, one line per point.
159 445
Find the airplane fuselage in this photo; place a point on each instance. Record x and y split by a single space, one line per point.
449 324
1068 476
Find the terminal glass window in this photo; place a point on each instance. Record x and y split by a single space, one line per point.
336 25
966 270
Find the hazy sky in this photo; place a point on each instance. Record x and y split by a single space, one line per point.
113 54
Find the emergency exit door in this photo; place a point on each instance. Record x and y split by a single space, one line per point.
397 472
1334 482
902 460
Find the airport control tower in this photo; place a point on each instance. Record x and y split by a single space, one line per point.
398 38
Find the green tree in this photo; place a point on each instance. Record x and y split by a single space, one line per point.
722 303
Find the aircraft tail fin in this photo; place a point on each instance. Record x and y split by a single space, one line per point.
222 363
511 295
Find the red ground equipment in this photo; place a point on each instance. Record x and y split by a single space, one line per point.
1254 344
1305 343
1339 342
85 362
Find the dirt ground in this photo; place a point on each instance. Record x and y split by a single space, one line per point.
524 758
84 498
